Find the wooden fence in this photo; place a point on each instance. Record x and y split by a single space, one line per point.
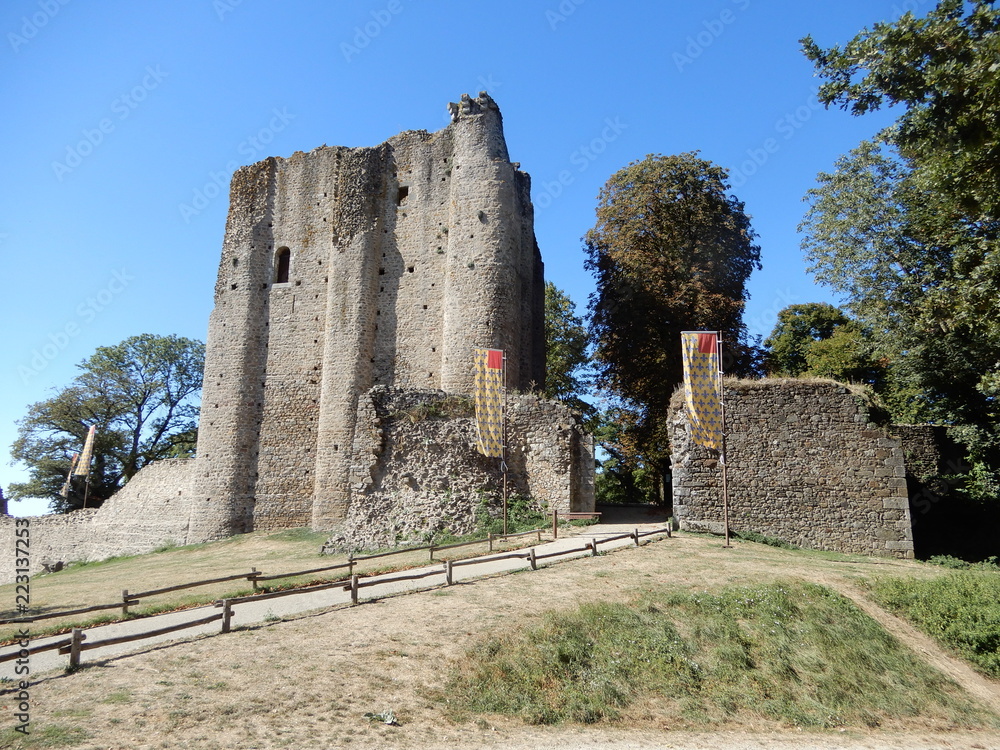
76 643
256 577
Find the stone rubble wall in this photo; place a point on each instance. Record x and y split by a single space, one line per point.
417 472
806 464
151 511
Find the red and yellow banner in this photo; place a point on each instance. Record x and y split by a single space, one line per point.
703 387
489 384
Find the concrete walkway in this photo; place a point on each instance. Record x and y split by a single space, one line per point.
619 521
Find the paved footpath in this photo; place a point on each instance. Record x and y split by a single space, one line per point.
251 612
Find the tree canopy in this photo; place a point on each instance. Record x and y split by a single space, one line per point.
818 340
566 357
943 70
671 251
142 396
906 227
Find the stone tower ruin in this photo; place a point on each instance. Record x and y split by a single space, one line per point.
346 268
354 285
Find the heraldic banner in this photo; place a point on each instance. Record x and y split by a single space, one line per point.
489 383
702 386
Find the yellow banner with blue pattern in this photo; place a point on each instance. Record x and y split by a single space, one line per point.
489 383
702 387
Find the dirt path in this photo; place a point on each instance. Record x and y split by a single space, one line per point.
985 690
309 681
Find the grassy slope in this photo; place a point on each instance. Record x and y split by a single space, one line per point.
792 652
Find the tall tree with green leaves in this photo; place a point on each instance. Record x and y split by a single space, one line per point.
142 396
908 228
566 357
671 251
818 340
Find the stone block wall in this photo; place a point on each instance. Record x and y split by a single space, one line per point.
806 464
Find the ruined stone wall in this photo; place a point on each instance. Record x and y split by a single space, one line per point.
150 511
416 471
806 464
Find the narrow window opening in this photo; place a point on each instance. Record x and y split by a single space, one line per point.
283 265
402 194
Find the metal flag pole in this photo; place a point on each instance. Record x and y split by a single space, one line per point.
503 442
722 449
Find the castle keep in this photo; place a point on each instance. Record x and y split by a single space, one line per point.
343 269
353 288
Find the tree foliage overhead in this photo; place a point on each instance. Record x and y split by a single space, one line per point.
943 69
907 227
671 251
566 358
141 394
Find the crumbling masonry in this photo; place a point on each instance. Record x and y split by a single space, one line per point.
345 269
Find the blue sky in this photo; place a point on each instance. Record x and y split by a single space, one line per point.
125 120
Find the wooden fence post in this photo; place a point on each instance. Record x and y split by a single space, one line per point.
593 546
555 523
124 602
254 579
531 559
74 648
490 538
447 572
432 552
635 535
227 613
354 589
350 563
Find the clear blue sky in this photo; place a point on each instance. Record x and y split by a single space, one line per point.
125 118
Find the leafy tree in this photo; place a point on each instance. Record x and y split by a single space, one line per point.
671 251
818 340
908 228
942 69
141 396
797 329
566 358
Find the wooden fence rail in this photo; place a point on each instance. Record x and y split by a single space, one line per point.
255 576
26 652
349 565
75 645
